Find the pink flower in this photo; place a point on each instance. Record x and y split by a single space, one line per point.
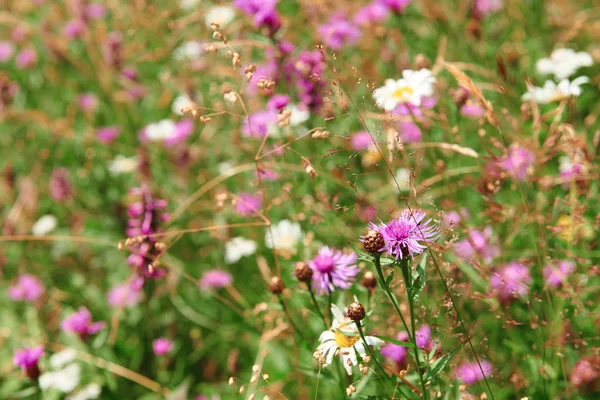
361 141
95 11
481 8
81 324
28 288
396 6
472 110
338 32
88 102
247 204
511 281
126 294
585 374
7 49
259 124
183 129
278 102
60 185
27 359
75 28
556 274
410 132
162 346
215 279
371 14
396 352
26 58
333 269
19 33
517 162
267 174
451 219
477 244
108 134
472 372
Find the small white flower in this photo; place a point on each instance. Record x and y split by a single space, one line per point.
65 380
182 101
564 63
62 358
298 115
188 5
122 164
44 225
413 86
237 248
221 15
88 392
343 339
159 131
403 176
190 50
552 92
286 235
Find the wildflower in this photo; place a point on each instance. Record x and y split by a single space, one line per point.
95 11
396 352
263 11
451 219
215 279
477 244
64 380
237 248
309 67
356 312
413 86
518 162
299 114
88 392
361 141
285 235
472 110
409 132
44 225
264 72
247 204
556 274
81 323
303 272
331 269
266 174
28 288
112 50
551 92
338 32
260 124
180 103
162 346
60 185
168 131
26 58
407 235
108 134
87 102
126 294
481 8
276 285
220 15
371 14
190 50
122 164
571 168
511 281
586 372
563 63
343 339
27 359
7 49
75 28
470 373
63 357
396 6
278 102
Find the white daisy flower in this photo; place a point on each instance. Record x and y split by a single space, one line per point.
88 392
552 92
237 248
413 86
221 15
65 380
564 63
122 164
182 101
344 340
191 50
63 357
44 225
286 235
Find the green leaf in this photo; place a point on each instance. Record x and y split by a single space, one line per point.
389 279
419 277
394 341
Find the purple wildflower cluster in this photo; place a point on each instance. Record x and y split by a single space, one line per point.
308 69
470 372
557 273
28 288
338 32
81 324
27 359
511 281
398 354
332 269
478 244
263 12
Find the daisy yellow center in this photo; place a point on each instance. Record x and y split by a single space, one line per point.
402 92
344 340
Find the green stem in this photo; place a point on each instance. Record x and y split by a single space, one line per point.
315 303
372 354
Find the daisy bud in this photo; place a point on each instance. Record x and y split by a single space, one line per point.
303 272
369 280
373 242
276 285
356 312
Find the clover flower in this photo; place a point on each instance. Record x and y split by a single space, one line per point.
333 269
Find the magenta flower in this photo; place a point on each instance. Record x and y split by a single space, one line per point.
162 346
27 359
481 8
338 32
81 324
333 269
309 67
247 204
95 11
130 72
60 185
556 274
88 102
511 281
265 15
410 132
26 58
183 129
396 6
371 14
259 124
423 338
361 141
126 294
471 372
7 50
278 102
451 219
585 374
75 28
112 50
472 110
215 279
27 288
267 174
108 134
396 352
477 244
517 162
19 34
407 235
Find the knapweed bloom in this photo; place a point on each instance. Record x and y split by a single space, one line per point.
28 359
477 244
343 340
338 32
557 273
586 373
81 324
409 132
87 102
395 352
408 235
108 134
162 346
26 58
263 11
511 281
309 67
284 235
247 204
563 63
397 6
551 92
481 8
518 162
126 294
333 269
362 141
471 372
215 279
27 288
413 86
237 248
278 102
371 14
260 124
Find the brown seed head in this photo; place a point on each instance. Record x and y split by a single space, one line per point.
373 242
356 312
369 280
303 272
276 285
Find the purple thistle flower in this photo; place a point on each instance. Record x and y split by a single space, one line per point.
60 185
423 338
215 279
517 162
471 372
396 6
259 124
75 28
556 274
477 244
481 8
331 269
338 32
126 294
162 346
511 281
278 102
407 235
27 359
472 110
88 102
247 204
28 288
81 324
361 141
108 134
410 132
371 14
395 352
263 11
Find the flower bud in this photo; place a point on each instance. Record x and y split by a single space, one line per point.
373 242
356 312
369 280
276 285
303 272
